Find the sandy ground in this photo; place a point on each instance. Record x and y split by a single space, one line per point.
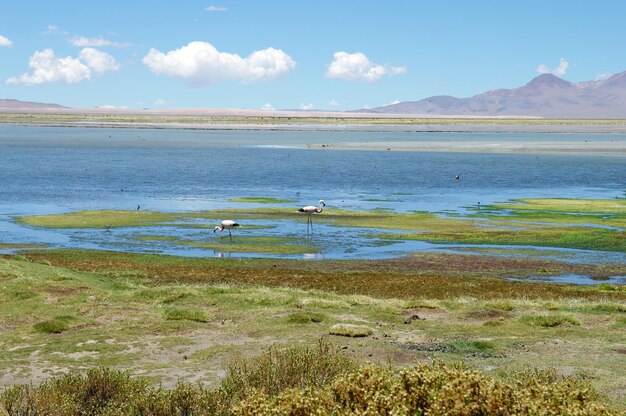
598 148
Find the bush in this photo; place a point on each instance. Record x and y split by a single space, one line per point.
311 380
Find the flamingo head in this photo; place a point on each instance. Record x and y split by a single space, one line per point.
217 228
322 203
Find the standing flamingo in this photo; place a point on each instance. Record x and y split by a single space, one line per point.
228 225
312 209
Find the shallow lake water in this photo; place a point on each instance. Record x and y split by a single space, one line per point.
45 170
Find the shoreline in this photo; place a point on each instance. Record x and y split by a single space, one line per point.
603 148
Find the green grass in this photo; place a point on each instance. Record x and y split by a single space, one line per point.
54 326
253 244
549 321
177 314
182 318
99 219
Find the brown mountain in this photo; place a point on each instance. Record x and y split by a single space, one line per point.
544 96
10 104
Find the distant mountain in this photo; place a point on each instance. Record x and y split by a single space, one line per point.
544 96
27 105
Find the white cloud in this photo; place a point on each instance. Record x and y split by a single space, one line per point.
268 107
98 61
48 68
308 106
216 8
558 71
603 76
113 107
200 63
5 42
357 67
394 102
159 102
82 41
54 30
333 103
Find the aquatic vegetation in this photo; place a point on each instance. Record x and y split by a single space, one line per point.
10 246
253 244
99 219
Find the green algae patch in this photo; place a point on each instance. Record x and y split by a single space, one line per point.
606 212
99 219
583 238
11 246
571 205
239 244
261 200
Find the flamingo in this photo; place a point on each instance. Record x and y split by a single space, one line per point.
311 209
228 225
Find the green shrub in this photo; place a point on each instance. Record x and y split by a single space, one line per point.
305 317
55 325
549 321
176 314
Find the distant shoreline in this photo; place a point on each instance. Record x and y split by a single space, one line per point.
362 122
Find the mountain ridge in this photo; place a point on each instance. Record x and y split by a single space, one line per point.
544 96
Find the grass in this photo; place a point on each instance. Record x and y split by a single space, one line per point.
178 314
253 244
99 219
549 321
54 326
351 330
173 318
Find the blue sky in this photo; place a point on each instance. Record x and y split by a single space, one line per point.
335 55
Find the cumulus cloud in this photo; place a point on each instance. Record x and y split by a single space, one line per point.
54 30
200 63
308 106
48 68
268 107
82 41
100 62
333 103
357 67
159 102
216 8
5 42
559 71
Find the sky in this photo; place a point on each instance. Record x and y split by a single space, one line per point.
292 54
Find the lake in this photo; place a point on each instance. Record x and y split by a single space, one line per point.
45 170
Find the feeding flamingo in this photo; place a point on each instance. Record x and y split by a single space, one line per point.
312 209
226 225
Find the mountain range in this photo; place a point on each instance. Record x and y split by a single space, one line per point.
545 96
27 105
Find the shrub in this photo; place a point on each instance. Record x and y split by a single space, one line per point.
549 321
55 325
175 314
